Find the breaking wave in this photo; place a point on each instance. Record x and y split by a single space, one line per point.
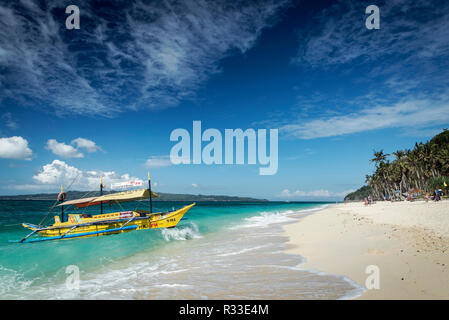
11 279
266 218
185 232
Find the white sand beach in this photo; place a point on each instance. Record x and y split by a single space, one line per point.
408 241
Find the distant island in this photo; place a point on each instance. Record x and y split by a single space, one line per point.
161 196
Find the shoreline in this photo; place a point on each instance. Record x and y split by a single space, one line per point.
245 259
407 241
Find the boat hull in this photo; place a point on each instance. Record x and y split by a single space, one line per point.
106 224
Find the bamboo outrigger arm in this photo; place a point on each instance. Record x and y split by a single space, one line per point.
74 227
127 222
29 235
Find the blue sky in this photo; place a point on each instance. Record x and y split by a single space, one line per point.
103 100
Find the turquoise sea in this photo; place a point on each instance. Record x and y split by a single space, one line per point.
224 250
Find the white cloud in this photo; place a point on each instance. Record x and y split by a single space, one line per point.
158 162
15 148
59 172
298 193
194 185
63 150
343 37
399 73
89 145
322 193
414 113
69 151
143 55
9 121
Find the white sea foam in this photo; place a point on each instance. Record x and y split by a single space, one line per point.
241 251
110 283
12 280
266 218
172 285
185 232
351 294
354 293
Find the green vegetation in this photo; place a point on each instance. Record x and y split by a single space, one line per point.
423 168
438 183
359 194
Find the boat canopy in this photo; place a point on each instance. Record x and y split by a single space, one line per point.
110 198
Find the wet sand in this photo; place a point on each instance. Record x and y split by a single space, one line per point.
407 241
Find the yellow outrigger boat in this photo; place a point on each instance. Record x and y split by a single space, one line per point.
86 225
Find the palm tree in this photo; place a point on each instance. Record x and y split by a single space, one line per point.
379 157
411 168
400 155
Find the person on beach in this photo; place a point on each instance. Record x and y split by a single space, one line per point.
366 201
436 195
427 197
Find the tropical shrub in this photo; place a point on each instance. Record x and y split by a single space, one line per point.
438 183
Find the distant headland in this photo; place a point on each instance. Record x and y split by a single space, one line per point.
161 197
